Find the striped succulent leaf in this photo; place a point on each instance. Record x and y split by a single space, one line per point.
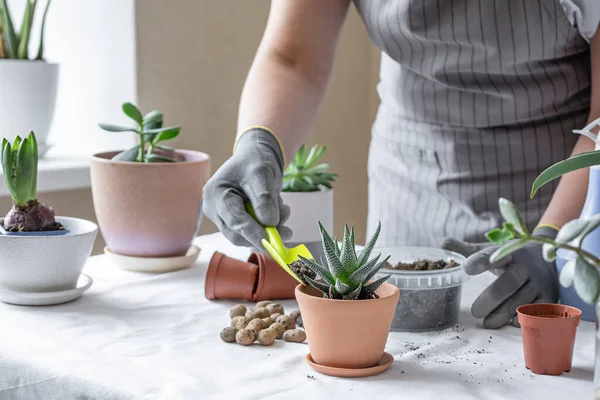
379 265
366 252
333 261
321 271
348 252
373 286
362 273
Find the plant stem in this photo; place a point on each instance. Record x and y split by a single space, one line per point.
595 260
141 153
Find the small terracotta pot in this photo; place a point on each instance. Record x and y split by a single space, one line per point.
229 278
548 332
347 333
259 278
149 209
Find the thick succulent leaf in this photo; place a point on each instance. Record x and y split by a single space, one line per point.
300 156
549 252
373 286
507 249
353 295
24 173
128 155
40 54
501 236
366 252
323 287
567 274
586 281
116 128
338 251
341 287
362 273
571 230
321 271
155 158
510 213
376 269
311 158
333 294
133 112
153 120
164 134
348 255
333 262
592 225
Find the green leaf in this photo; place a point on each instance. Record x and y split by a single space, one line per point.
579 161
366 252
507 249
333 262
301 156
323 287
40 54
7 166
164 133
25 173
376 269
11 40
353 295
567 274
361 274
128 155
510 213
571 230
341 287
154 158
25 32
311 158
347 254
501 236
549 252
586 281
318 269
153 120
117 128
338 251
133 112
592 225
373 286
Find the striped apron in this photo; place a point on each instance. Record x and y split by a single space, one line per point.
477 98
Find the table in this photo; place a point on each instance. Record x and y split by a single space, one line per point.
141 336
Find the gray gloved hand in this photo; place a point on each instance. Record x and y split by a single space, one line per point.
255 173
524 277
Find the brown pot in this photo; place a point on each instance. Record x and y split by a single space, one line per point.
548 332
149 209
259 278
347 333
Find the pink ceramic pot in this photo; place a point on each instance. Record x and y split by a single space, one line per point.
149 209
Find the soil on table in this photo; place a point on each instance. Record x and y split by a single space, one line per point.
426 309
301 271
423 265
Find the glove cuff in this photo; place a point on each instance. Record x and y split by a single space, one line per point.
262 135
547 231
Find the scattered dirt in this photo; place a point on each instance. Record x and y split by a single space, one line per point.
301 270
423 265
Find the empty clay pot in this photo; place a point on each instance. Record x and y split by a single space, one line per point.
347 333
548 332
149 209
259 278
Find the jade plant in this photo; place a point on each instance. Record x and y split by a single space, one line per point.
151 134
20 165
304 175
15 44
345 275
580 271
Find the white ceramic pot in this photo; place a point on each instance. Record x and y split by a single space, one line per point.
307 209
46 263
27 99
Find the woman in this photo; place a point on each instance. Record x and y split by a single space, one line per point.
477 98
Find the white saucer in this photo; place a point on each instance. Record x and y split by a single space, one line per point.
154 264
47 298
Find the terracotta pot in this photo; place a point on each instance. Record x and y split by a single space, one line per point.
548 332
149 209
259 278
347 333
229 278
273 281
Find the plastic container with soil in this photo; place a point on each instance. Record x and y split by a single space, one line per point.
429 299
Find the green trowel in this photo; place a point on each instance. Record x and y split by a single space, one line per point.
274 245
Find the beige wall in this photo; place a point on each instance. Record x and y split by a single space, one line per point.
193 57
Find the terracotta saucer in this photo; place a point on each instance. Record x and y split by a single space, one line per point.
384 363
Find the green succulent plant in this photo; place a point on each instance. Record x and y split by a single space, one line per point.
303 175
345 275
15 44
151 133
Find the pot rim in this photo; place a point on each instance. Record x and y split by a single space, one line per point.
299 287
576 311
101 158
20 61
94 228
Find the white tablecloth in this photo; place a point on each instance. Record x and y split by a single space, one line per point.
146 336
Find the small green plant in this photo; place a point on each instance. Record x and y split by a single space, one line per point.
303 175
345 275
20 166
13 44
151 133
580 272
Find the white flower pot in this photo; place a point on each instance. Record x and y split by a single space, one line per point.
46 263
307 209
27 99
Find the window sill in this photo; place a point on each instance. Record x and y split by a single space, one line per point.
57 173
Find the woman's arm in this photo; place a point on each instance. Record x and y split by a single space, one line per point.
570 194
288 78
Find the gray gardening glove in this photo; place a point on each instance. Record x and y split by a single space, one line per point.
524 277
254 173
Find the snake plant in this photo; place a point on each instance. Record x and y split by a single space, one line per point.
20 165
15 44
580 272
345 275
151 132
302 175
